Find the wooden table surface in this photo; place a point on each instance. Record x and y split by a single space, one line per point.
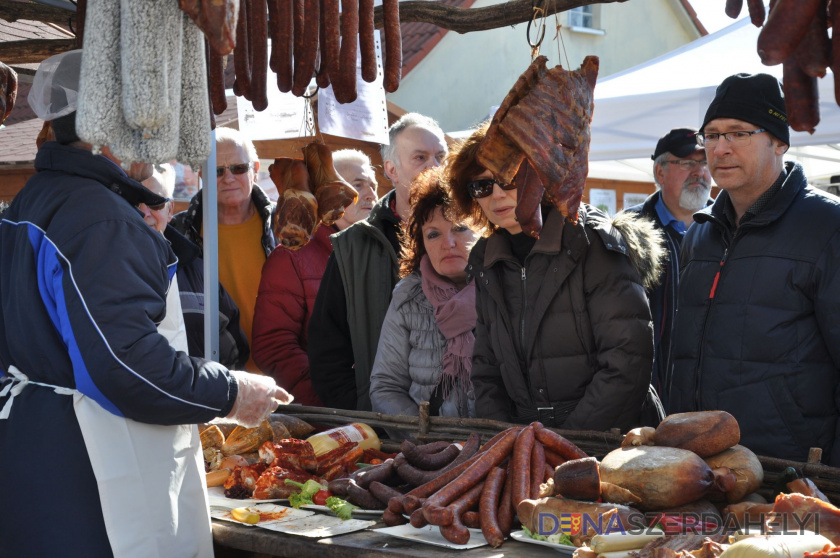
361 544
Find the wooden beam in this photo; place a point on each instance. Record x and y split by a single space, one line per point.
13 11
467 20
33 51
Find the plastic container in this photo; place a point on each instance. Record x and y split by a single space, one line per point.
354 432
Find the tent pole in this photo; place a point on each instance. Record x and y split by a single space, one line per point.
210 236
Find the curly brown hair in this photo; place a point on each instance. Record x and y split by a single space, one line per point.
428 192
462 166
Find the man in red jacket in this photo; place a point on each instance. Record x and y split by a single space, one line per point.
289 284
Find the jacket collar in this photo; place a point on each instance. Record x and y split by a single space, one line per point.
184 249
54 156
792 186
382 210
551 237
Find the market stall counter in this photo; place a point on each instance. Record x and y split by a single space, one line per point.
367 543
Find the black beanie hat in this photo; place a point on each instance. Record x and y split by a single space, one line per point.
756 99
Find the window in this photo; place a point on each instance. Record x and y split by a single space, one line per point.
581 17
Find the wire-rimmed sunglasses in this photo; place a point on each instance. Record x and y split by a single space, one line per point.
484 187
241 168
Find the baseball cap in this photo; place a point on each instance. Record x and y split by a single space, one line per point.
680 142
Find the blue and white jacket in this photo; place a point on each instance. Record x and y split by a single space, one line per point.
83 283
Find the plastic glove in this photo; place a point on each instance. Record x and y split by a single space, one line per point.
258 396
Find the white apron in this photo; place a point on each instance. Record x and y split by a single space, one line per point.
150 477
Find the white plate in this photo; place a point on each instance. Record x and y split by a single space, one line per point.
358 512
319 526
216 497
521 536
431 535
270 514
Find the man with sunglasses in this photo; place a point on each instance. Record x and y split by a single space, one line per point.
233 346
683 185
245 235
361 273
757 331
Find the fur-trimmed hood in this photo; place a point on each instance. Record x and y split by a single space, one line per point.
643 243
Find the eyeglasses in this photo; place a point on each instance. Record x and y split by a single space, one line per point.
482 188
241 168
687 164
737 138
160 206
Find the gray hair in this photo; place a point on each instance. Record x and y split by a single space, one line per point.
658 162
353 156
406 121
235 136
165 173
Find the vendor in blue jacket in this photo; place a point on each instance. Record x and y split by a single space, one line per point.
757 330
101 455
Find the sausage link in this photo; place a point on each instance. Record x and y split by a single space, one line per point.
733 8
344 83
375 473
456 532
274 28
548 473
305 60
521 465
559 445
392 519
434 447
430 461
382 492
241 57
258 50
285 39
412 503
367 42
757 13
339 486
471 520
506 509
801 97
474 474
362 497
786 24
417 519
537 470
488 507
552 458
813 54
330 41
216 81
393 45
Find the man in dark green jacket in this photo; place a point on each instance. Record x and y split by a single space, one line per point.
362 270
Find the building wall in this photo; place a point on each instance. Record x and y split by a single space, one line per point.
465 76
12 180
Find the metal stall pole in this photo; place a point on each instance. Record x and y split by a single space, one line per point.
210 235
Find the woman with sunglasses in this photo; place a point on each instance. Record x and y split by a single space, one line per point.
563 332
425 348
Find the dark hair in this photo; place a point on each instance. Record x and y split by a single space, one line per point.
461 167
428 192
64 128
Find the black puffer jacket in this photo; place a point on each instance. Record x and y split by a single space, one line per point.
571 330
765 346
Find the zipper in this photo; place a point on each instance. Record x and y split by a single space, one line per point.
524 308
698 373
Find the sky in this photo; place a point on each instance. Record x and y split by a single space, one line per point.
710 13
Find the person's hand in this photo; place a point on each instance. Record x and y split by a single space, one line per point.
258 396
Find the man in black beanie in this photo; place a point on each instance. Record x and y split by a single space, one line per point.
757 332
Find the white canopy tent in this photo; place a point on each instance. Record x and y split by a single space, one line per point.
634 108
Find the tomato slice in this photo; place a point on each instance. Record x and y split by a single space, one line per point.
320 497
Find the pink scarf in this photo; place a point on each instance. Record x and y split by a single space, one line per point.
455 316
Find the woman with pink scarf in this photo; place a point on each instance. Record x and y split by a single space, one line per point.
425 348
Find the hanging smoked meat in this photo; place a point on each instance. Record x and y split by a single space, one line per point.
545 119
8 91
296 216
216 19
332 192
